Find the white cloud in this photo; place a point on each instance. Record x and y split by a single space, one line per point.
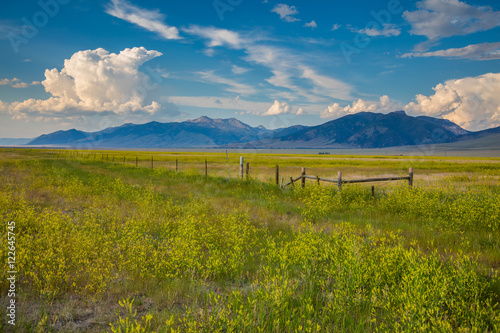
286 12
278 108
20 85
217 37
94 82
311 25
5 82
239 70
471 102
287 67
383 105
436 19
234 86
151 20
336 26
16 83
483 51
283 79
388 30
327 86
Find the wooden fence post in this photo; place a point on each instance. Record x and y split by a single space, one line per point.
282 181
303 178
339 180
152 162
410 174
317 179
242 162
247 171
373 191
291 181
278 174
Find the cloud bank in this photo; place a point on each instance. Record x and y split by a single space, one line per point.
472 102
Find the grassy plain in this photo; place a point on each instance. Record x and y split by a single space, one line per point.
103 245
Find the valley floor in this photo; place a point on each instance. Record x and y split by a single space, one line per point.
101 244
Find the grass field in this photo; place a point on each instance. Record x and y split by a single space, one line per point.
103 245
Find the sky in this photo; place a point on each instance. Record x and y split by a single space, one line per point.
90 65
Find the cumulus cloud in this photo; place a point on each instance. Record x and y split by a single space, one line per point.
311 25
5 82
151 20
17 83
483 51
280 108
95 82
286 13
436 19
383 105
472 102
388 30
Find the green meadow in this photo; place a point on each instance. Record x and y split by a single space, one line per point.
103 245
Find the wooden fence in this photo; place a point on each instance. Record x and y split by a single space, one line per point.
244 170
339 181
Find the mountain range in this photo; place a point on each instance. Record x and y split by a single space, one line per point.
360 130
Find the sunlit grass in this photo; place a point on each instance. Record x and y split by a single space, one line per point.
108 246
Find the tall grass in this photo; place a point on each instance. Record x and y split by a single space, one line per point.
154 250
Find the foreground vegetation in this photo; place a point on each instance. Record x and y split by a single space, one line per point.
106 246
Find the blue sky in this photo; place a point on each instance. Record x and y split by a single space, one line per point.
93 64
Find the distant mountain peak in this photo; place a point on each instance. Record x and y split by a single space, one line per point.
202 119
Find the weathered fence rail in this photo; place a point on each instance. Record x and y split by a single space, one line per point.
339 181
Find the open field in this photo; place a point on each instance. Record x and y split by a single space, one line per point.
104 245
